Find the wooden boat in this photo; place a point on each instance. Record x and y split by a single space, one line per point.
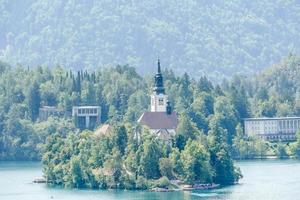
39 180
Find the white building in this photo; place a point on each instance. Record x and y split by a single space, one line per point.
87 116
273 129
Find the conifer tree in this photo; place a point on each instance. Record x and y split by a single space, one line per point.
33 101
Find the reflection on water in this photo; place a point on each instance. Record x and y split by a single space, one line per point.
267 179
213 194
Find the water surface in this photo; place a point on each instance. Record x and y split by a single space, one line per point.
267 179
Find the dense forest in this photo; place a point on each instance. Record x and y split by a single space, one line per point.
214 38
209 133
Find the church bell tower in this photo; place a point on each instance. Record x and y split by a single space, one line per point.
158 98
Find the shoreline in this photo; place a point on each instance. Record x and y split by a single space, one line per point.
176 188
266 158
23 179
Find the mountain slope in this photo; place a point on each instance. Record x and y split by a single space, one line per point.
217 38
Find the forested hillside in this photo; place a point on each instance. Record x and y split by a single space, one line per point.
275 91
201 37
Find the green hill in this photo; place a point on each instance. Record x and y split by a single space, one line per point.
216 38
275 91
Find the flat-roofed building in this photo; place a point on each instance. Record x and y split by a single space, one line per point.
87 116
47 111
273 129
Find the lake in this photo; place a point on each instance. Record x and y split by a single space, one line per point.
263 179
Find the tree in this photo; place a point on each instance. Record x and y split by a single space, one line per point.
267 109
224 171
205 85
204 103
120 138
281 151
262 94
184 90
89 94
76 172
200 109
224 117
150 159
284 110
261 147
195 162
166 167
185 130
296 146
48 93
33 101
78 82
113 165
238 143
239 100
176 162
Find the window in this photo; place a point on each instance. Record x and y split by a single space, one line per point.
161 101
79 111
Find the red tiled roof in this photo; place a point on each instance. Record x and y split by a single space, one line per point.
159 120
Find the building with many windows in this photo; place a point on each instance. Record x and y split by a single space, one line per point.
86 116
273 129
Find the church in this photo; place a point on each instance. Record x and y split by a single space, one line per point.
161 120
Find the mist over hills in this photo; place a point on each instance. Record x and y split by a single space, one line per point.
215 38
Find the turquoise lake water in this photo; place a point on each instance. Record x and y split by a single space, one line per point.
266 179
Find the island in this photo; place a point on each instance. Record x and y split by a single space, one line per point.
114 129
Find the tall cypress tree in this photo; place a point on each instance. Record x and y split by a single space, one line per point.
33 101
78 82
74 89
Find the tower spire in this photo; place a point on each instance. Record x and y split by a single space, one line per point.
159 84
158 67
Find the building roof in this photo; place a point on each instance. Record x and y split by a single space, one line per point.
103 130
270 118
80 107
159 120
